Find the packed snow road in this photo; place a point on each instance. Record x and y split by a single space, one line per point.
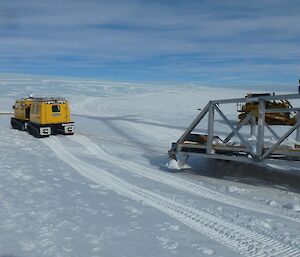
241 240
107 188
183 184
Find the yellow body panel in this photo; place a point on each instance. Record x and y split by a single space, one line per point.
278 118
22 109
50 112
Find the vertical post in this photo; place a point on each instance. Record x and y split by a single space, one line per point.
298 119
253 124
298 129
210 129
261 128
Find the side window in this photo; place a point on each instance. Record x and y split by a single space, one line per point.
55 108
35 108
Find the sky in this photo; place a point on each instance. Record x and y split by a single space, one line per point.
224 42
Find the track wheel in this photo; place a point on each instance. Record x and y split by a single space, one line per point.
33 131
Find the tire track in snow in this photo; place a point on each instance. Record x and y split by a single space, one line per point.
182 184
239 239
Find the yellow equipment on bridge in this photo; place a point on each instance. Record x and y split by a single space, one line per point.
43 116
276 118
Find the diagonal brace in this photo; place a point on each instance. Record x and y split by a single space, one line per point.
235 131
272 131
194 123
238 127
278 142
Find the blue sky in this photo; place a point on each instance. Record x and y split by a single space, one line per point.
224 42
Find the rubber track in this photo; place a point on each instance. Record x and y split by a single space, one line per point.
184 185
240 240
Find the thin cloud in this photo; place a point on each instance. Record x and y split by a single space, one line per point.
144 35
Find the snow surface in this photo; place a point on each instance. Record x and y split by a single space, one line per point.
110 190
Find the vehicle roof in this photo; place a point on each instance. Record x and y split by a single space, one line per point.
46 99
49 100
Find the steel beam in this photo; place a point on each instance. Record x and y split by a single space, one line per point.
256 99
298 129
261 128
253 125
243 159
210 128
272 131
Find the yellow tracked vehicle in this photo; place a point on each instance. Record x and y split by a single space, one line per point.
278 118
43 116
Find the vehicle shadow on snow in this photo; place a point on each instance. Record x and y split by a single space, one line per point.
247 173
131 118
139 120
135 139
